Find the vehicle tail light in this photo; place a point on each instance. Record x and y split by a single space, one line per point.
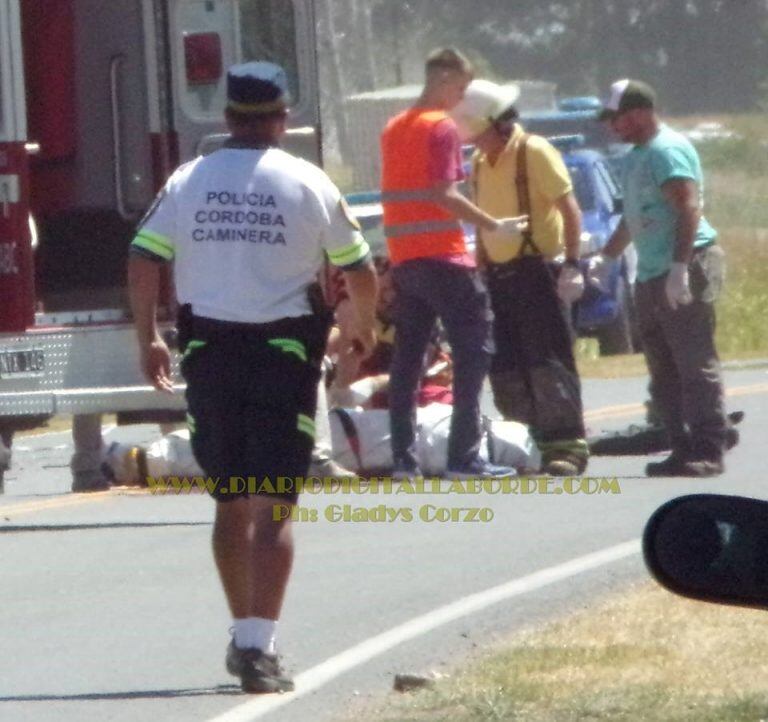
202 57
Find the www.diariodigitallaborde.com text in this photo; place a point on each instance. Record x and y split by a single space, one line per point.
524 485
440 510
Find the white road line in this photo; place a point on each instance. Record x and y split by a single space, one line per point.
314 678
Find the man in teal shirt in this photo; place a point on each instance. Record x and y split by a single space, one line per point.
679 275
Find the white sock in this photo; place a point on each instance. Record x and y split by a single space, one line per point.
255 633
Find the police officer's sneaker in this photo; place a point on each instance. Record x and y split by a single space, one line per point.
259 672
479 469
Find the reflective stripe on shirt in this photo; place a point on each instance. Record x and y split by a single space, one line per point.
412 229
418 194
154 243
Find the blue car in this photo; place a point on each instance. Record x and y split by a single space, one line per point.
592 156
604 313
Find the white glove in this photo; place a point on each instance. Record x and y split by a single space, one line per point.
676 288
598 271
512 226
570 284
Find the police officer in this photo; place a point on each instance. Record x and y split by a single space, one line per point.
247 228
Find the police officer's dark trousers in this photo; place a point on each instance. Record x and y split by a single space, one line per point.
251 396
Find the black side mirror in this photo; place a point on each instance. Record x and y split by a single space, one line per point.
711 547
618 205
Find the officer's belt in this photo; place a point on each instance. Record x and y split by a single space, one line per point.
202 326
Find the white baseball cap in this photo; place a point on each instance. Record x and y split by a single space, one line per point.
627 95
484 102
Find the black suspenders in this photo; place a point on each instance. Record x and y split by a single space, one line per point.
524 198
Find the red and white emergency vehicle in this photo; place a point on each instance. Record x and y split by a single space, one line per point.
99 101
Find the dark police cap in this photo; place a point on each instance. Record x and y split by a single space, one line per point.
257 87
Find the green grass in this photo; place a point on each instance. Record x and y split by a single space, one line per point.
742 312
641 655
736 189
736 179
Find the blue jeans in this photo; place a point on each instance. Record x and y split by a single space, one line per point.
425 290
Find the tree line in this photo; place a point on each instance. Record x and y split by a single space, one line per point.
700 55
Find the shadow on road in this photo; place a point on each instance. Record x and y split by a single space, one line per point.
222 689
14 528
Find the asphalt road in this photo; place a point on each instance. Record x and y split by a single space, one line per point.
110 608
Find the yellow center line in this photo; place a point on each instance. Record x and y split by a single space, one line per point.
746 390
622 410
606 412
55 503
614 411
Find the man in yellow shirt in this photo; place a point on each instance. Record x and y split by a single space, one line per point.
533 374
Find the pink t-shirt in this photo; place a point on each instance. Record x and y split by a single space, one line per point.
446 165
445 153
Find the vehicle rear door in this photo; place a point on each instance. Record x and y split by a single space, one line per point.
207 36
16 284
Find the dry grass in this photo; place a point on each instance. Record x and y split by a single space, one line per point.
643 655
741 312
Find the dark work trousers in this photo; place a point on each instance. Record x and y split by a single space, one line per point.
686 385
425 290
533 374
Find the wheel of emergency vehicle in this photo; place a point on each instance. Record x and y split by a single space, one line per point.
616 337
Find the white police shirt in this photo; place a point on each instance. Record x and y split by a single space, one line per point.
246 229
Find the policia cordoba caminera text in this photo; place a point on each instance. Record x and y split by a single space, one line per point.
225 219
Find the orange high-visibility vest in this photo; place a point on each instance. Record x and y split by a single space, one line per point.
414 226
